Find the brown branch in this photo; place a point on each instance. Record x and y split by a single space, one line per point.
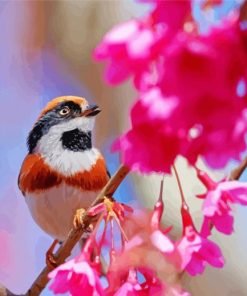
75 234
243 11
6 292
238 171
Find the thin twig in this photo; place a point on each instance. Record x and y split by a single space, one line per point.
238 171
5 292
180 187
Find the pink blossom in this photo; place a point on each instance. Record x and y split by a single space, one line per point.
158 209
133 48
190 64
195 250
162 242
118 208
128 49
177 291
195 58
145 228
74 277
178 117
171 13
128 289
218 200
147 247
132 287
152 144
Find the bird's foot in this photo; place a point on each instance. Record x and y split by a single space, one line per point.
78 218
50 258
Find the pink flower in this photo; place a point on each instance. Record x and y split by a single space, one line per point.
129 48
190 64
144 230
75 277
152 144
218 201
171 13
162 242
132 287
147 247
128 289
195 250
195 58
158 210
178 117
177 291
121 210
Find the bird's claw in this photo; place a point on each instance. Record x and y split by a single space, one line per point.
50 259
78 218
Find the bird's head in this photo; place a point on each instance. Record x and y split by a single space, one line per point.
66 122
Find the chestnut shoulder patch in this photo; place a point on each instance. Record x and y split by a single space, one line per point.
36 175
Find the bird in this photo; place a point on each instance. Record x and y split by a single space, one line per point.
62 172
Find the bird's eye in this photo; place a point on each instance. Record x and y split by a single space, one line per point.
64 111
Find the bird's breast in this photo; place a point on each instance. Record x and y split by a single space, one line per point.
54 209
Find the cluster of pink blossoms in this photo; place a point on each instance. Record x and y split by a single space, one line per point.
191 87
143 259
135 249
191 102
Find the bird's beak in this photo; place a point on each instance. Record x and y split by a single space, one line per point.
91 110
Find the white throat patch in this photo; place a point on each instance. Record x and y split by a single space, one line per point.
62 160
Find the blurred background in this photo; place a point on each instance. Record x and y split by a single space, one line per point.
46 52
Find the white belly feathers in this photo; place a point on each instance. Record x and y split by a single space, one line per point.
54 209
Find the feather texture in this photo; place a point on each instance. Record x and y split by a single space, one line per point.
36 175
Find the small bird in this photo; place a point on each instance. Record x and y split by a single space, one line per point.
62 171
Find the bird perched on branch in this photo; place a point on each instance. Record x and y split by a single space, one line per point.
62 172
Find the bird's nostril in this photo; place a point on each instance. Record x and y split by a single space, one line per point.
92 110
92 107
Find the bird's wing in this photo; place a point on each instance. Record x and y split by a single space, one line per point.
36 175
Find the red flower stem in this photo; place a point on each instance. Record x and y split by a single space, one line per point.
161 189
96 228
120 227
91 238
112 235
103 235
122 242
158 208
238 171
112 250
184 204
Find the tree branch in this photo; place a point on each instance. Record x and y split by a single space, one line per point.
6 292
238 171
